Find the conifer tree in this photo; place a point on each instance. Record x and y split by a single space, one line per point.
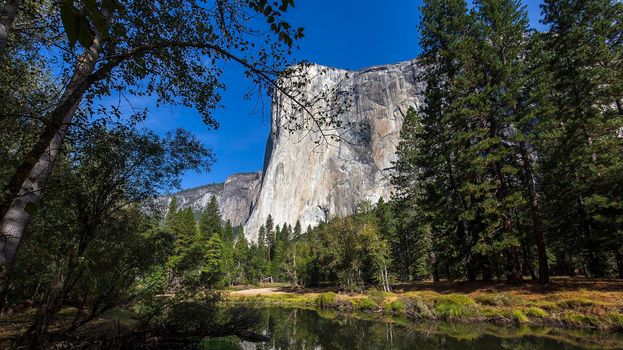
297 231
241 256
171 213
500 32
210 221
228 233
582 164
185 230
213 268
432 175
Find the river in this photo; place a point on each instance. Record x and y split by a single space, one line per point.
294 328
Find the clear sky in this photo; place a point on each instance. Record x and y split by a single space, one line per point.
349 34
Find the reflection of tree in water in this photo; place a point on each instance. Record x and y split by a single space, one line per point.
308 329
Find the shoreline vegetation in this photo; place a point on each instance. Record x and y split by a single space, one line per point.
566 303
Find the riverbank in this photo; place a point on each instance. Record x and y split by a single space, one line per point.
568 303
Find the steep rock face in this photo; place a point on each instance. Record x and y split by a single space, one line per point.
235 197
308 181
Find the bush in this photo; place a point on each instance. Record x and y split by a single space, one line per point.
377 296
454 306
325 299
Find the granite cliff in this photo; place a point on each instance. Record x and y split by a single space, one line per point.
316 171
311 181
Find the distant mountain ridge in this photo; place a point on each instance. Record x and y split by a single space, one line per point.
235 196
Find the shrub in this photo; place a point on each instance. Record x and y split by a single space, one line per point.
325 299
454 306
377 296
535 312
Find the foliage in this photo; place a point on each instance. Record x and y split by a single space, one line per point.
325 299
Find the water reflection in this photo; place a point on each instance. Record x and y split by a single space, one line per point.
308 329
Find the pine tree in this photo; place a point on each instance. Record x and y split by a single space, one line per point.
171 213
228 233
241 256
501 32
271 238
213 268
581 162
298 230
185 230
433 175
210 221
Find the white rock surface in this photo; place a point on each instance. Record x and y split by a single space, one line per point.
311 182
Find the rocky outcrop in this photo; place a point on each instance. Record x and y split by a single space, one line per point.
310 176
235 197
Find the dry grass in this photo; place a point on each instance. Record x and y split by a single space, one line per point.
566 302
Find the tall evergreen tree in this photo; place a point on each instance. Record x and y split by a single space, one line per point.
184 230
213 268
297 231
435 176
581 162
241 257
210 222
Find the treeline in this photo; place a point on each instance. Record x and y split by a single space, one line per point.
351 252
513 165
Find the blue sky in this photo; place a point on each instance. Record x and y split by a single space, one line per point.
349 34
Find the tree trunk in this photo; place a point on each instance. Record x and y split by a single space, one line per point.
9 11
535 212
62 284
514 273
26 187
619 259
527 261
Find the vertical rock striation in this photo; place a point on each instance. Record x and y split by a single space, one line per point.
309 181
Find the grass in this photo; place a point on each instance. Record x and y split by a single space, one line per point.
519 316
534 311
565 303
454 306
325 300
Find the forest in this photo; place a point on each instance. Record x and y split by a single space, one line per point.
511 170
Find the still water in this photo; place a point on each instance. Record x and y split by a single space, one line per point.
291 328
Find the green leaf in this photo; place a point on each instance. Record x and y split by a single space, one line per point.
85 33
68 15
